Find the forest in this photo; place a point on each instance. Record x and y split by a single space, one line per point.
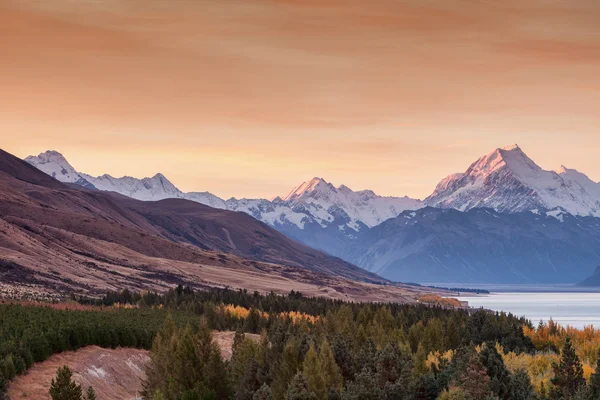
311 348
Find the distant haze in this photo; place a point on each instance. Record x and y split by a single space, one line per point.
249 98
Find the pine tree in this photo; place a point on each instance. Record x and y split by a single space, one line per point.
568 375
314 375
299 390
594 383
343 356
330 370
287 368
364 387
264 393
520 387
90 394
496 370
63 387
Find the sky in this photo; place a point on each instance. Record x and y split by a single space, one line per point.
248 98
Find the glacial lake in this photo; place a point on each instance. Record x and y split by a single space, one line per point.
578 309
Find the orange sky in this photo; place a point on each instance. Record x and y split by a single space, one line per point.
249 98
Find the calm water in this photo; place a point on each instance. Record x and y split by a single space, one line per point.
577 309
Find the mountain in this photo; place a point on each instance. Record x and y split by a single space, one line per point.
592 281
507 180
504 220
315 203
55 236
54 164
479 246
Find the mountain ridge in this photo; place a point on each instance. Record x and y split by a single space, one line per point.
313 202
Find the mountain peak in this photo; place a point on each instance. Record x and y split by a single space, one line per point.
315 184
507 180
56 165
511 157
47 157
159 176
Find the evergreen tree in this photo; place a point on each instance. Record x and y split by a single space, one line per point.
264 393
311 369
500 378
90 394
63 387
520 387
594 383
568 375
287 369
330 370
299 390
248 383
364 387
343 356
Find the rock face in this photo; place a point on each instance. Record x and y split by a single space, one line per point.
506 180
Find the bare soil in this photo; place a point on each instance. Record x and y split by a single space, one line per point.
114 374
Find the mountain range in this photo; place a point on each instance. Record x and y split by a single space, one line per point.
506 220
70 238
313 204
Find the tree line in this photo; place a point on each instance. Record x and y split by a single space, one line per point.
310 348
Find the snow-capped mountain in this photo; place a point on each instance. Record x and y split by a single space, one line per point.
315 202
505 219
324 201
54 164
506 180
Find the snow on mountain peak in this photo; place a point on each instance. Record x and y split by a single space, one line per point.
54 164
507 180
315 184
314 201
324 202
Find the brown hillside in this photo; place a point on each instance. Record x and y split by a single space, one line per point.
60 239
